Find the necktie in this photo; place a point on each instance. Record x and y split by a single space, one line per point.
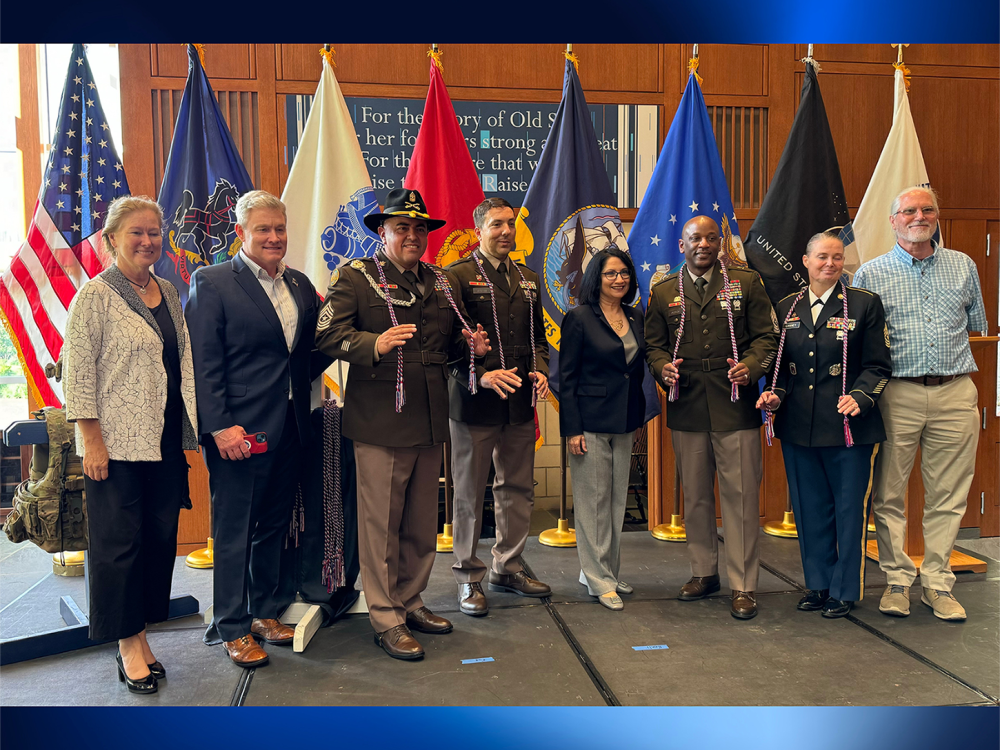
504 283
414 281
700 284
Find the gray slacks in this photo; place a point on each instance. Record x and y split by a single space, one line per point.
736 456
600 487
512 449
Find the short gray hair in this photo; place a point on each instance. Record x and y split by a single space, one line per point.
256 199
826 234
894 208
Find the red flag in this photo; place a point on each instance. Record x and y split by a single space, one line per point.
441 169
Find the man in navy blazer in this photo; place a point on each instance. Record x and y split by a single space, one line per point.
252 322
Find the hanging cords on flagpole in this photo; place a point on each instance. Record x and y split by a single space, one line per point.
200 49
693 65
435 54
810 60
568 54
327 54
898 65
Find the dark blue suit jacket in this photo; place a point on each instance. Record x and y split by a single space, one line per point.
598 390
242 365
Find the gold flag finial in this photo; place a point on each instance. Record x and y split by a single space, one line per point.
898 65
693 65
327 53
435 54
568 54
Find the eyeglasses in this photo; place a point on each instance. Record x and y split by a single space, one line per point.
911 212
612 275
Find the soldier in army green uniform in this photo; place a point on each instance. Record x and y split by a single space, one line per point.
498 422
398 322
710 431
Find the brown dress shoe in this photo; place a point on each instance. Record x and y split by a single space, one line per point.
399 643
744 605
471 599
519 583
424 621
699 588
245 652
273 631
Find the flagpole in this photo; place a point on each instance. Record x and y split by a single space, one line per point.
444 539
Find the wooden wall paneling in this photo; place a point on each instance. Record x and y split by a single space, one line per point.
960 141
301 62
221 60
194 526
735 69
382 63
26 129
952 55
774 487
266 122
859 108
137 118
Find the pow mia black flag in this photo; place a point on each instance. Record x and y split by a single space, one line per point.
806 196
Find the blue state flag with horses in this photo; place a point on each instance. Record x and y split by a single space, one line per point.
203 179
569 200
687 181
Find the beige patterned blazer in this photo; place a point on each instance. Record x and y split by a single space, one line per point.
113 367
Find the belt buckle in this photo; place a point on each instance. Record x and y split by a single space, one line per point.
424 360
706 365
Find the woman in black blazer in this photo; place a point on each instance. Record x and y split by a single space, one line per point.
601 404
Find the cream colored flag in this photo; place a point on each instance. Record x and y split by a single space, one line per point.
328 194
900 166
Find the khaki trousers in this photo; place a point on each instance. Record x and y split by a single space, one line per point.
736 457
943 421
512 450
397 527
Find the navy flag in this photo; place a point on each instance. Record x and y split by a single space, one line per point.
569 212
688 181
201 183
806 196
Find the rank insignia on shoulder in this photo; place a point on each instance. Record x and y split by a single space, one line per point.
886 328
791 368
358 265
835 370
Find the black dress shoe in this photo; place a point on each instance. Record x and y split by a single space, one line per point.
836 608
472 600
813 600
519 583
699 588
424 621
156 669
744 605
145 686
399 643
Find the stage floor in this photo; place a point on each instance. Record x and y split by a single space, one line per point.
565 650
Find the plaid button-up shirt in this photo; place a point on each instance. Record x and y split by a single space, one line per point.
931 305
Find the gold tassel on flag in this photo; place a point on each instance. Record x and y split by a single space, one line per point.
568 54
898 65
200 49
435 54
326 51
693 66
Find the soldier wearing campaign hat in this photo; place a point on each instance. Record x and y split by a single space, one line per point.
833 364
398 322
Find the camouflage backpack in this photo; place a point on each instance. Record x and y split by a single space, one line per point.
49 508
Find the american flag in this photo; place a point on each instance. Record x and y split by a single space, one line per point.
61 253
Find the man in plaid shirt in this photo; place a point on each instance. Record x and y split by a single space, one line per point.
932 299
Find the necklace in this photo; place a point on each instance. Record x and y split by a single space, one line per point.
618 324
141 287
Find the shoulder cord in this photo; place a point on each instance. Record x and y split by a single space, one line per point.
400 392
726 294
333 574
768 415
443 285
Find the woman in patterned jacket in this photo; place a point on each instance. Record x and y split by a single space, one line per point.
129 386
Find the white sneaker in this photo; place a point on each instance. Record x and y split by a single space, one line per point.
945 606
895 601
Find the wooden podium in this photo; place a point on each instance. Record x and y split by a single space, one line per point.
914 545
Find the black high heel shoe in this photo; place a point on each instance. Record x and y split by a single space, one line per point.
147 685
157 670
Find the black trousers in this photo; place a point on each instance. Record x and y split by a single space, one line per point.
252 503
132 518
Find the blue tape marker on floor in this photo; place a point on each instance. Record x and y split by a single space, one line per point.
649 648
477 661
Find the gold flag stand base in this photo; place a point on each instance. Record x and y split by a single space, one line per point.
670 532
562 536
201 559
67 564
786 528
444 540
